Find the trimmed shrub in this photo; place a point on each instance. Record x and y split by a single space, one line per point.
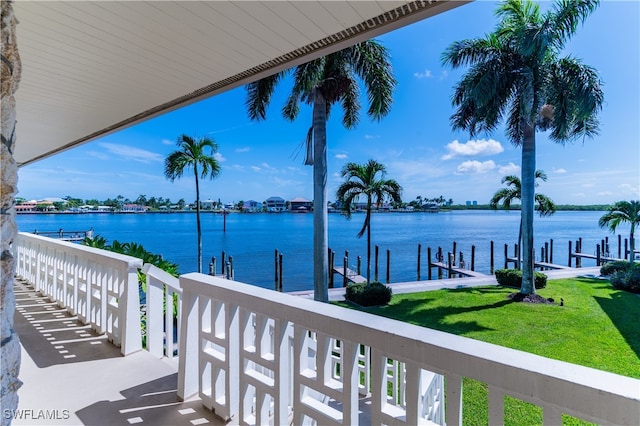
374 294
513 278
610 268
628 280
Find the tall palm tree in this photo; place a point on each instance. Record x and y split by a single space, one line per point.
196 154
544 205
322 83
623 212
517 73
368 181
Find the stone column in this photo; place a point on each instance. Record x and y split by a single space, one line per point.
10 345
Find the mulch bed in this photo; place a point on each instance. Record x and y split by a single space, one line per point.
531 298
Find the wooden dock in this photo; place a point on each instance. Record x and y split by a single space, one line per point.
459 271
537 264
352 276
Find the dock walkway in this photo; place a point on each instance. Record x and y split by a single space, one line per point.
337 294
457 270
351 275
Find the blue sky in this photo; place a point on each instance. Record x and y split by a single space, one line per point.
415 141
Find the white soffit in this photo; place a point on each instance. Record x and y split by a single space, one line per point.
93 67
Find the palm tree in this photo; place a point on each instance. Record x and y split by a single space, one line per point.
623 212
193 155
368 181
544 205
516 72
322 83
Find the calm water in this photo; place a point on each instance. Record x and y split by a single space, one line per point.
252 238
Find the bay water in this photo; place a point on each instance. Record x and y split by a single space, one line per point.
252 238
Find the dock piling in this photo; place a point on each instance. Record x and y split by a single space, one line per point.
280 261
491 262
429 263
376 264
473 258
418 271
388 264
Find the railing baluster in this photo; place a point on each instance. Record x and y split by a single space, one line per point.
496 406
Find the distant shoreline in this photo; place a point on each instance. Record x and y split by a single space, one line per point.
481 207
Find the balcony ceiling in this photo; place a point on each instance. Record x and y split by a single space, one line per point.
91 67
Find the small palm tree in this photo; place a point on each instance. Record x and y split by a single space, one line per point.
199 156
322 83
544 205
623 212
516 73
366 181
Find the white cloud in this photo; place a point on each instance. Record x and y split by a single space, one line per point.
256 168
509 169
559 171
243 149
98 155
219 157
341 156
132 153
444 74
167 142
368 137
425 74
472 167
631 190
480 147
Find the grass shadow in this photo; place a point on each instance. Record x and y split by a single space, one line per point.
419 311
623 309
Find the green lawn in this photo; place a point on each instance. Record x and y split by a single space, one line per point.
597 327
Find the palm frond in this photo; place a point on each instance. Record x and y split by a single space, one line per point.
567 15
259 95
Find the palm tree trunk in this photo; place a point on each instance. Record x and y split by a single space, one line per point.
368 222
195 170
528 189
320 214
10 345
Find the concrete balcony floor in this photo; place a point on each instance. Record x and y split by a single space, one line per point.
81 378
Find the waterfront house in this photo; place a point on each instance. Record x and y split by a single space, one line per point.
300 205
26 206
252 206
208 204
133 208
276 204
251 355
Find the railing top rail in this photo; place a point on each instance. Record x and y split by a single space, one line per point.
162 276
518 373
132 262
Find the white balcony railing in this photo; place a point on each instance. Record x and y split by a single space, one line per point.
98 286
163 305
240 344
263 357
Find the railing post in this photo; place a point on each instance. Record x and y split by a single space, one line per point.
129 312
429 263
188 368
154 328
